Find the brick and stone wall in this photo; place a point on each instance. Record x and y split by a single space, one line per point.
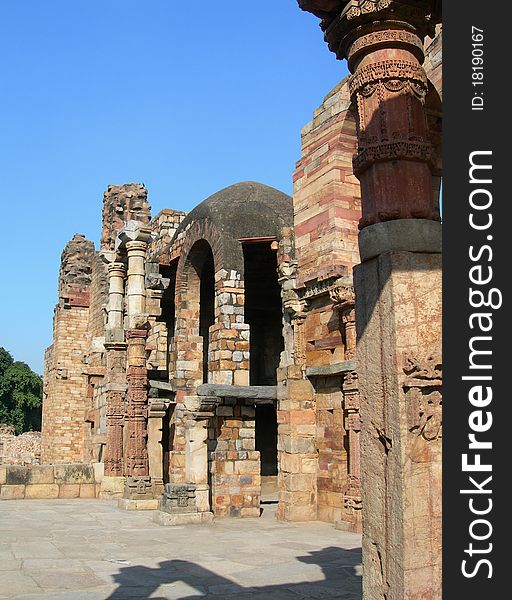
65 399
318 260
326 194
234 463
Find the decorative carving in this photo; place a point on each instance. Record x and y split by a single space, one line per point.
293 303
386 37
138 488
116 409
137 463
178 498
318 288
363 7
352 499
388 70
343 294
384 151
287 270
423 393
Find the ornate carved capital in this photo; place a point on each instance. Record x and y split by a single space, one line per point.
351 20
343 294
294 304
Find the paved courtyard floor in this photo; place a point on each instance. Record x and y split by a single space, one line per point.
91 550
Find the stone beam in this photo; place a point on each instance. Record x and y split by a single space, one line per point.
263 392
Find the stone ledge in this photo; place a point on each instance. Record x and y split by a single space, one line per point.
401 235
72 480
252 392
128 504
334 369
168 519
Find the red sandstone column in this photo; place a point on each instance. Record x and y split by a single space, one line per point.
398 291
137 396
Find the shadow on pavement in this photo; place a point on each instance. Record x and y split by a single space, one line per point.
340 581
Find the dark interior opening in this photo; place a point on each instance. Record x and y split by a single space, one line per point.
167 440
266 438
168 315
206 304
263 312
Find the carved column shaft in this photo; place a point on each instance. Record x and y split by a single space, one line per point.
116 407
116 275
137 464
135 288
395 158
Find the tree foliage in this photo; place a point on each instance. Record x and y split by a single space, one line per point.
21 394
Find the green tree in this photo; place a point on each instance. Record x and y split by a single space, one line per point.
21 394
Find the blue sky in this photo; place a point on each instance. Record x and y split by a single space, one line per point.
186 100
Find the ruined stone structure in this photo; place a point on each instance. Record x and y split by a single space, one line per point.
200 355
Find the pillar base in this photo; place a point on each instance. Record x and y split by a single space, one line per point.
127 504
138 488
112 487
167 519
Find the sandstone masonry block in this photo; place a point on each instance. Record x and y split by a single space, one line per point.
42 491
12 492
69 490
41 474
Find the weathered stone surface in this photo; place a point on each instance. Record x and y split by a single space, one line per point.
17 475
74 473
409 235
334 369
12 492
128 504
87 490
41 474
112 487
69 490
40 491
399 317
168 520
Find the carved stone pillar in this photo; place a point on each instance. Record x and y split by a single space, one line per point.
398 290
353 497
156 415
115 422
116 371
345 301
137 462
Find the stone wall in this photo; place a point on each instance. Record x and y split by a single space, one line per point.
49 481
235 464
326 195
316 274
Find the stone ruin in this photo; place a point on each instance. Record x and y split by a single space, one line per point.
24 449
198 355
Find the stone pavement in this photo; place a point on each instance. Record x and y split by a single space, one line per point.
91 550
